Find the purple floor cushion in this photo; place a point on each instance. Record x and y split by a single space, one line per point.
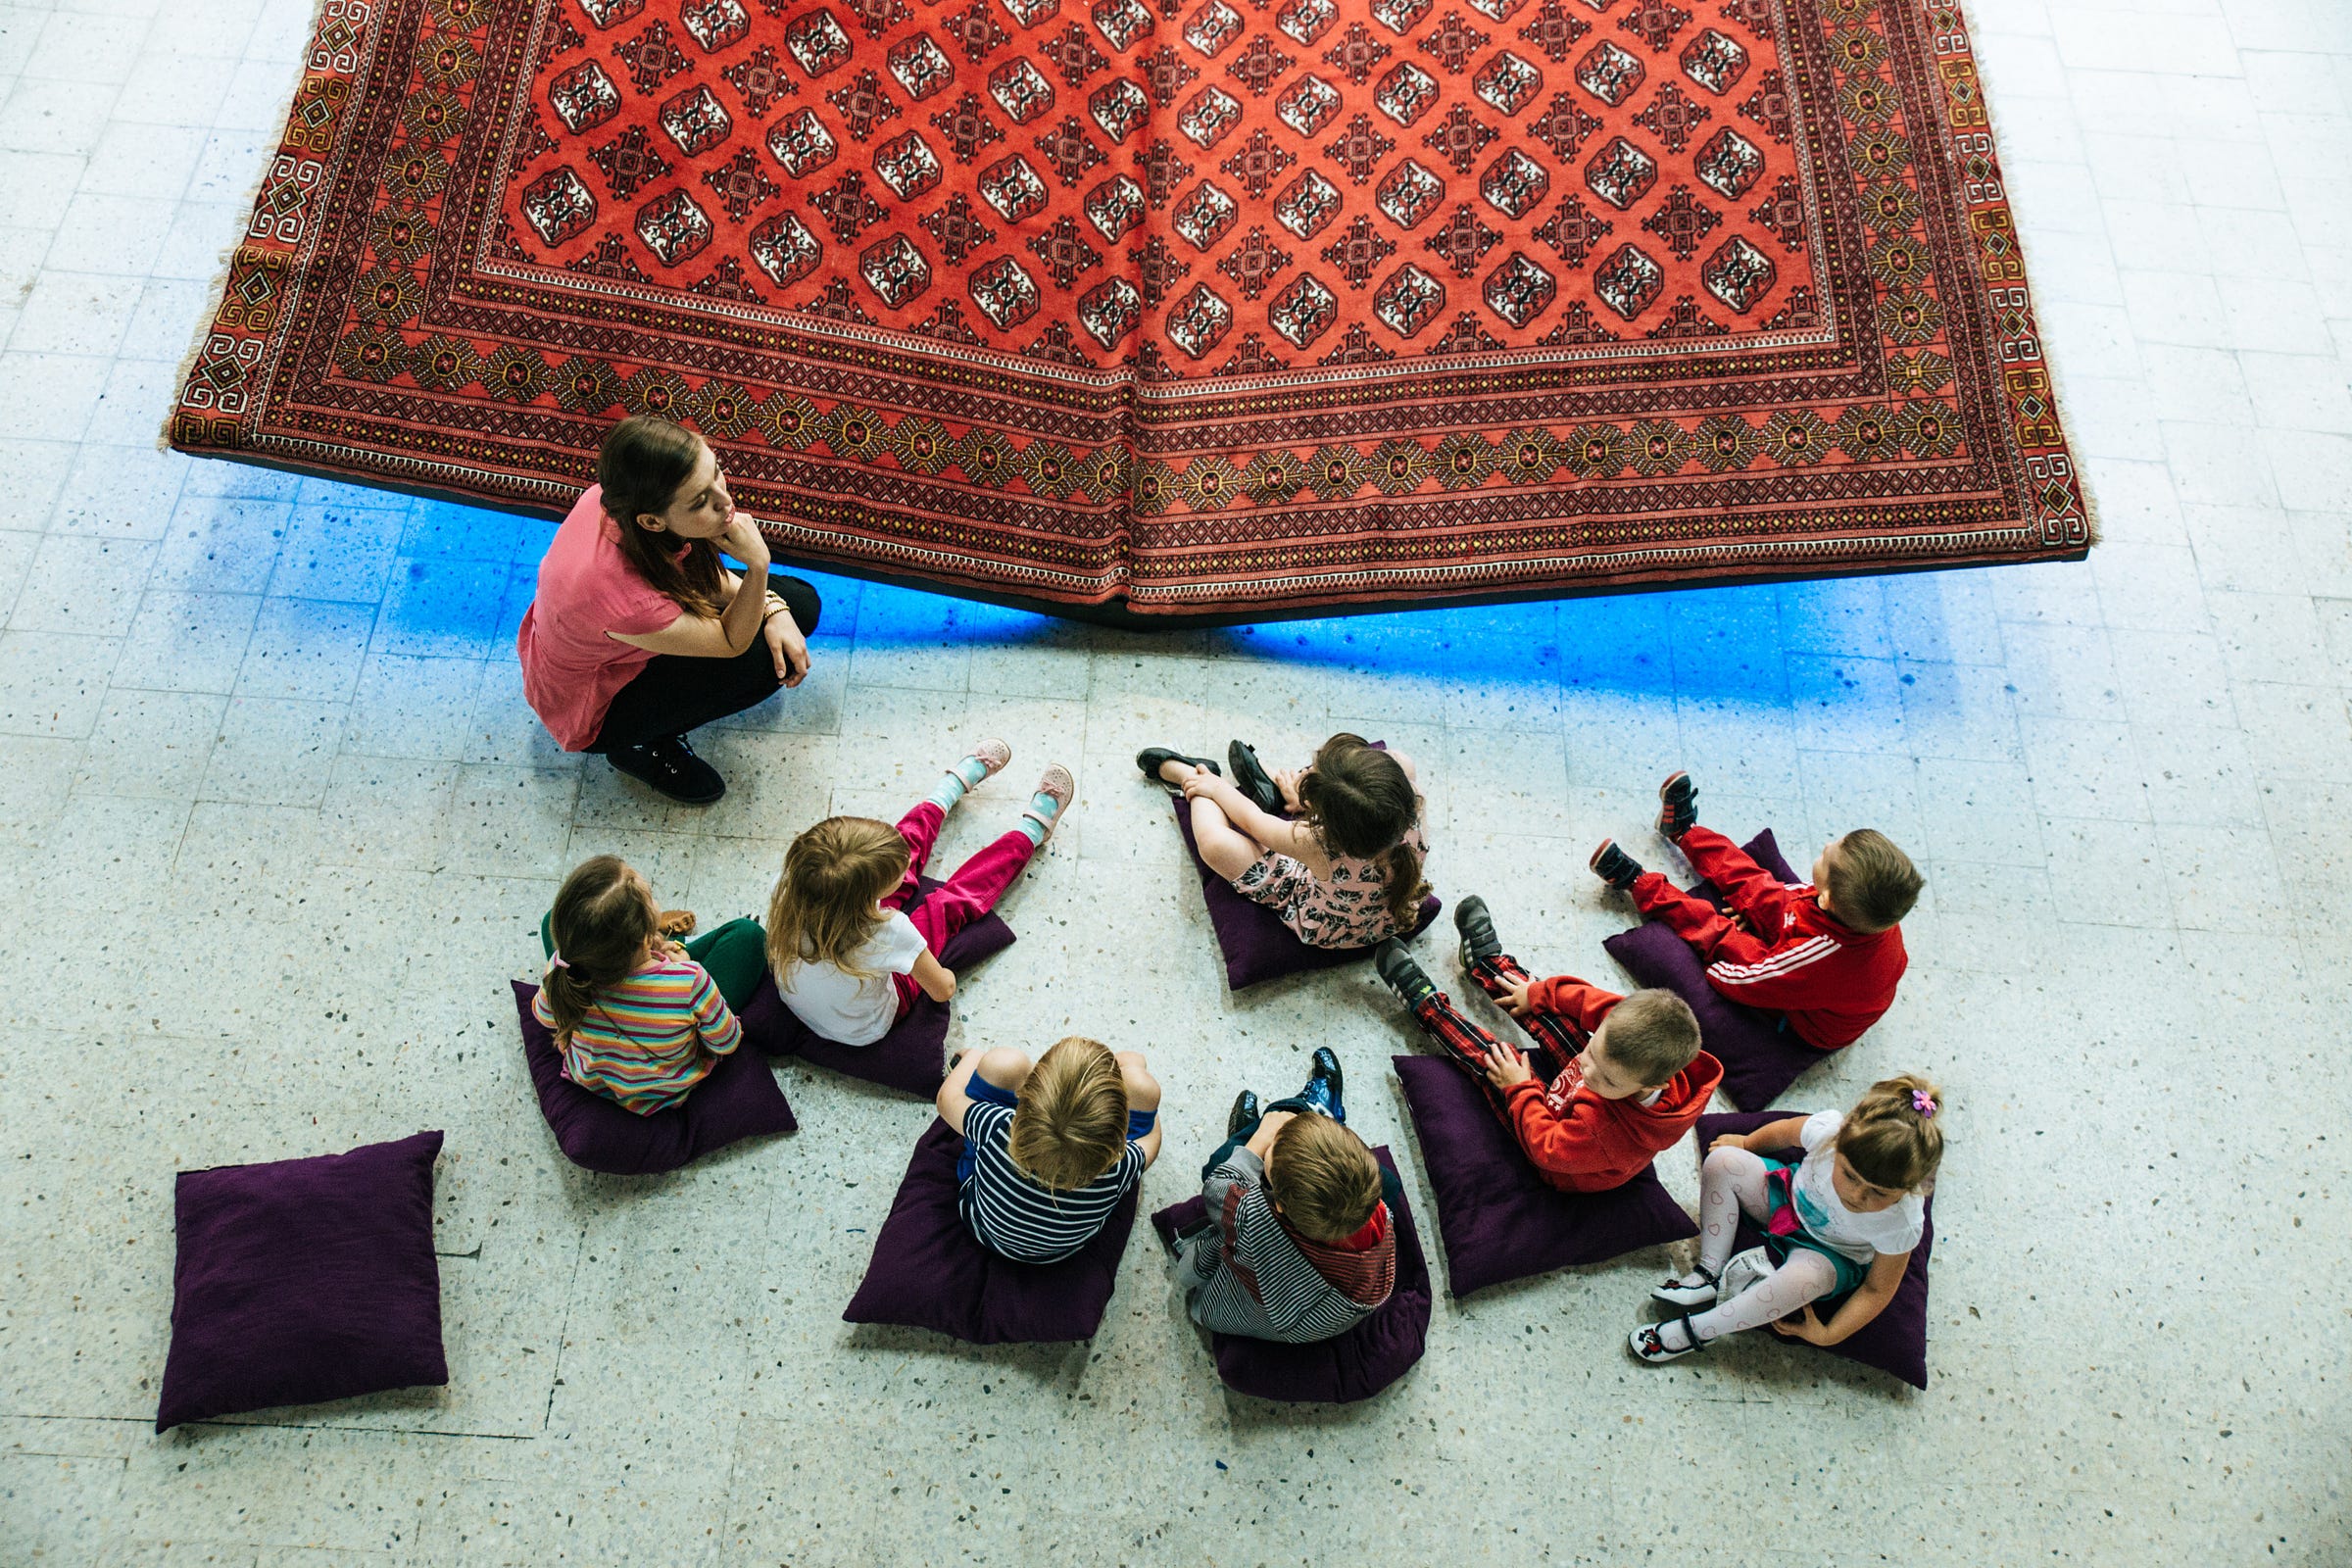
929 1273
1257 945
304 1280
1350 1366
1896 1342
1497 1218
739 1100
1759 1058
913 1057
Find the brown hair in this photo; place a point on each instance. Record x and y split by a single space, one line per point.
1887 1138
642 465
599 923
1652 1035
1360 802
1872 883
1325 1179
822 908
1071 1123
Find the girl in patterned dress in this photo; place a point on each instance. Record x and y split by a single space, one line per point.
1334 849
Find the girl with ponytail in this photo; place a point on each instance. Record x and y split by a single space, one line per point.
1335 848
1841 1201
638 1018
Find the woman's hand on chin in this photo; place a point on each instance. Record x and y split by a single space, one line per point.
746 543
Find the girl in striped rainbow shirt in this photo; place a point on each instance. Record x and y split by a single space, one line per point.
638 1018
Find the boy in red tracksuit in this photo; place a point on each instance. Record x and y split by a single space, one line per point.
1825 953
1612 1082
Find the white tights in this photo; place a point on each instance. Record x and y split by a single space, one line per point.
1734 1176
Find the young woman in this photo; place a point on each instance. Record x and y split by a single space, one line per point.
639 632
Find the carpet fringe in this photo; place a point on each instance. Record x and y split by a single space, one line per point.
2017 231
227 257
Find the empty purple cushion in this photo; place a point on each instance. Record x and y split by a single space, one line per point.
304 1280
928 1272
1347 1367
1497 1218
738 1099
1257 945
1896 1342
1759 1058
913 1057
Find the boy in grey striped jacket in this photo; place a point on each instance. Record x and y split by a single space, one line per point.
1299 1244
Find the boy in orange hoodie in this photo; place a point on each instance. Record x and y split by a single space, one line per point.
1622 1077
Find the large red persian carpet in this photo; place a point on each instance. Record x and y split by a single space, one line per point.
1171 307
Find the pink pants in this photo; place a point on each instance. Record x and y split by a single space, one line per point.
973 891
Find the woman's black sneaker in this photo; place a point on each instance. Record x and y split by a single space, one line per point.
671 767
1614 866
1253 781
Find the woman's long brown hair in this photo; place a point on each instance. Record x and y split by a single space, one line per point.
1360 802
645 462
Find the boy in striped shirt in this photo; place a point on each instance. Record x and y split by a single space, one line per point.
1297 1244
1826 955
1049 1150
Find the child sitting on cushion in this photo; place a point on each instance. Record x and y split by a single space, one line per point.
638 1018
1839 1222
1622 1076
849 955
1297 1243
1826 955
1335 848
1049 1150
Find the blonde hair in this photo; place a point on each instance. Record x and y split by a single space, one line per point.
1652 1035
822 909
602 918
1872 883
1888 1138
1071 1123
1325 1179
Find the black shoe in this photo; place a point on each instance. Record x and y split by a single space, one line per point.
1479 940
1244 1113
1253 780
671 767
1152 757
1614 866
1326 1084
1400 974
1677 808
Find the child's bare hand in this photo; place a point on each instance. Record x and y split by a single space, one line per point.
1201 784
1803 1326
1505 1066
1515 1003
1287 781
1728 1140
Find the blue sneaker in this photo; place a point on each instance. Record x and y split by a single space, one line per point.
1324 1086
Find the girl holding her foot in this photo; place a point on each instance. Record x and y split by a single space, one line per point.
1335 848
1840 1222
639 632
850 945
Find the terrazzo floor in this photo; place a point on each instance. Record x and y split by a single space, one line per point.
275 826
